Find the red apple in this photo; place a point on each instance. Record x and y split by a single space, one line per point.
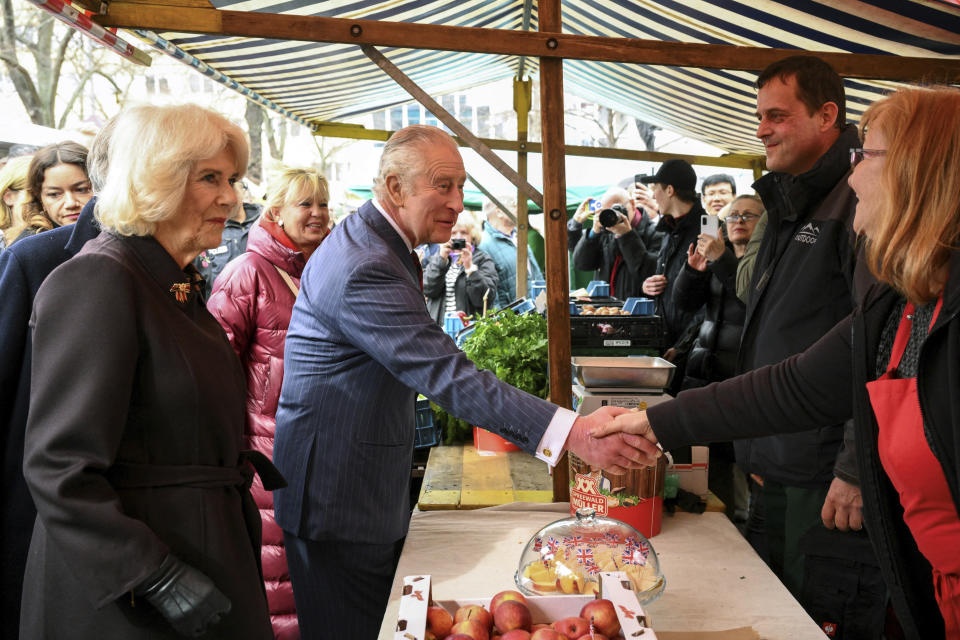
511 615
595 636
439 621
471 628
547 634
504 596
603 616
572 627
516 634
459 636
475 612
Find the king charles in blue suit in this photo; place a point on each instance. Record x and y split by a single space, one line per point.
360 346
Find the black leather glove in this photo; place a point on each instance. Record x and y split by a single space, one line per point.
187 598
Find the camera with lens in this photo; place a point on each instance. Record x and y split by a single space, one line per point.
458 244
610 217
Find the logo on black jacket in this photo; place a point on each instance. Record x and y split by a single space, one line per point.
808 234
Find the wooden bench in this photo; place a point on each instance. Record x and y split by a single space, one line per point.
458 477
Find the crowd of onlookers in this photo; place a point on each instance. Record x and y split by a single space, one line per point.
146 306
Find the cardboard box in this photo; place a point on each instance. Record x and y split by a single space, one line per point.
416 597
692 476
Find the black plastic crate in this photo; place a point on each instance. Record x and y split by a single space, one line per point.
599 332
427 434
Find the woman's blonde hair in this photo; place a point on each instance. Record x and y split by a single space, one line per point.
13 176
152 152
918 223
28 212
467 219
294 184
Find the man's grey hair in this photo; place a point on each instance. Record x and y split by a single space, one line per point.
401 155
491 211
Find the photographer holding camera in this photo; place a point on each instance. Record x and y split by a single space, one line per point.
612 247
458 275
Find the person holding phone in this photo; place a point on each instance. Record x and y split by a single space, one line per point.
648 211
674 190
709 278
460 277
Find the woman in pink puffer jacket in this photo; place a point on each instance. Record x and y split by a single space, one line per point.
252 299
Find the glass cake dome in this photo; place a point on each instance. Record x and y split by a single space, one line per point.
567 556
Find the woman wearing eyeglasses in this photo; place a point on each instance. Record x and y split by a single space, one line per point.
901 384
709 278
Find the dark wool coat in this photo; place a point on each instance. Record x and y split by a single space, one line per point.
803 284
133 449
23 268
253 303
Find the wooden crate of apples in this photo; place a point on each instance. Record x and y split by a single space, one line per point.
509 615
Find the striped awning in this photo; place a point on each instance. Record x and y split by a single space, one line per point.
331 82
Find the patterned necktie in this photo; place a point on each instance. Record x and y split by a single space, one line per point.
418 266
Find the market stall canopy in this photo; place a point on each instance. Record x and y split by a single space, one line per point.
320 81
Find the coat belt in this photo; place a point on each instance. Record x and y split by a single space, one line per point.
129 475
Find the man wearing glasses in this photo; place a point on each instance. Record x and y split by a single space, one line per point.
802 285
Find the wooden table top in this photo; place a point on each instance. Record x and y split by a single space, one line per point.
715 581
460 477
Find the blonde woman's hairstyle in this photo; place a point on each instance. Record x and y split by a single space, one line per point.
29 213
466 219
152 152
918 223
292 185
13 177
402 156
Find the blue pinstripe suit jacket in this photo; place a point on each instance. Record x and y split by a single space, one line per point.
359 347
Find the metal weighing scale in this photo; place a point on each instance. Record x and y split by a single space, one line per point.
630 382
589 399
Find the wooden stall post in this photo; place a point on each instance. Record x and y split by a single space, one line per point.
555 208
521 104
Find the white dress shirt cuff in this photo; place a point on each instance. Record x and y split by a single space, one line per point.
555 437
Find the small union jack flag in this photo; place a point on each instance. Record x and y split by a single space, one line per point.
591 568
627 556
537 543
612 537
572 540
584 555
553 544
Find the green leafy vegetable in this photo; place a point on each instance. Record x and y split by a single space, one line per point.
514 348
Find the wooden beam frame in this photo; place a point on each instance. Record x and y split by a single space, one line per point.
556 268
545 45
729 161
452 123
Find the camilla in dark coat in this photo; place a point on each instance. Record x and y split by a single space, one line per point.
133 444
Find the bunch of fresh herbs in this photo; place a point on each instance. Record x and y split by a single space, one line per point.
514 348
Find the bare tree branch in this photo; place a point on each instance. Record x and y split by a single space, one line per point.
77 92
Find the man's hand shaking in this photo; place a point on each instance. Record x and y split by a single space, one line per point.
607 438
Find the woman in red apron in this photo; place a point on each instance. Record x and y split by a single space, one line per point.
903 443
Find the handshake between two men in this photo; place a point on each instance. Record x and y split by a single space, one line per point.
614 439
